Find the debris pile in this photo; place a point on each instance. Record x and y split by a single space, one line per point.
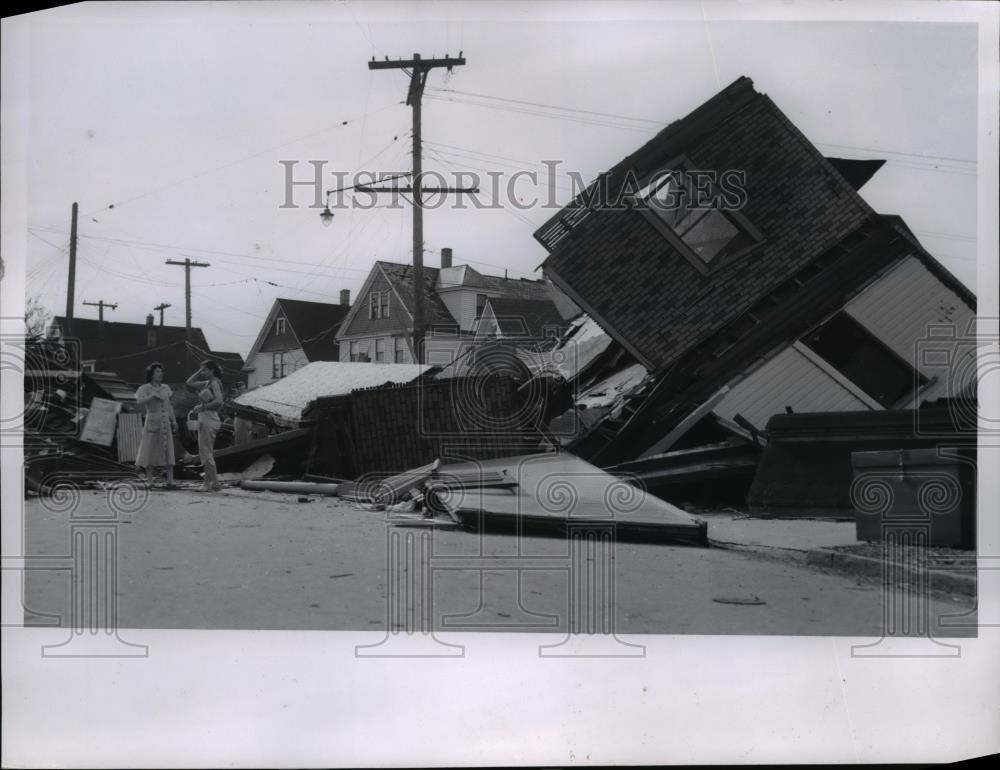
73 433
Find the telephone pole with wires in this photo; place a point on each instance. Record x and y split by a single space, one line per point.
161 307
100 305
187 264
417 68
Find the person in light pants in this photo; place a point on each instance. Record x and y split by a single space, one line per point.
207 381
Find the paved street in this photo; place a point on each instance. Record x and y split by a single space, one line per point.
241 560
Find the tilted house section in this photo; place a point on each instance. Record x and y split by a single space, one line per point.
780 284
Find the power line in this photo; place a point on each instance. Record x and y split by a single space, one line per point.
230 164
548 106
660 123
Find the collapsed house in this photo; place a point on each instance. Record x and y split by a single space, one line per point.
741 268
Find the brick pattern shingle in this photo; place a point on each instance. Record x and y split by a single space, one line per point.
650 298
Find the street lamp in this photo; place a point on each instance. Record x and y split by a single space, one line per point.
327 216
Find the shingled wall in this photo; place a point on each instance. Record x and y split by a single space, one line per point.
648 296
395 428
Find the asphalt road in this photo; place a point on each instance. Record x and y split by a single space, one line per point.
245 560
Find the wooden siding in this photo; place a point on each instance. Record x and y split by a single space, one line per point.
788 379
362 325
263 366
461 303
902 306
276 342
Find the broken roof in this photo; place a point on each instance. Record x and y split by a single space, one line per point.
288 397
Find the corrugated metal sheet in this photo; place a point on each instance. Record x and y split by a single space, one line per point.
788 379
128 436
288 396
900 308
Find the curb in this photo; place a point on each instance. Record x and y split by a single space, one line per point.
852 564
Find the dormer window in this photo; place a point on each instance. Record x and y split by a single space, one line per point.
280 325
697 215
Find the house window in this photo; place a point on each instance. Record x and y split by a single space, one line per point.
354 351
689 209
380 350
378 304
277 366
481 300
863 359
280 325
400 344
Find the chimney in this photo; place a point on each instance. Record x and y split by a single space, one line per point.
345 297
445 258
150 331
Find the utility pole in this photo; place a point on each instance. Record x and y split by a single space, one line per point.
187 264
417 68
161 307
100 305
71 287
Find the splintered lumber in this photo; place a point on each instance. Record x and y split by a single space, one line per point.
293 487
558 493
496 479
393 488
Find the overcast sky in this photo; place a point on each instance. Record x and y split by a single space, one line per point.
178 115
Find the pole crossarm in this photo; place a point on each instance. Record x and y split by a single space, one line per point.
408 189
415 64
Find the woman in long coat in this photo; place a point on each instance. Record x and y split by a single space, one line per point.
156 449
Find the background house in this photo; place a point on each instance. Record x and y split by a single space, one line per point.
126 349
294 334
379 327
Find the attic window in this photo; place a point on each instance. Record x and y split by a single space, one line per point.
690 209
280 325
378 304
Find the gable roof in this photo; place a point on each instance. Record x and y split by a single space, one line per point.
315 325
400 277
526 317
